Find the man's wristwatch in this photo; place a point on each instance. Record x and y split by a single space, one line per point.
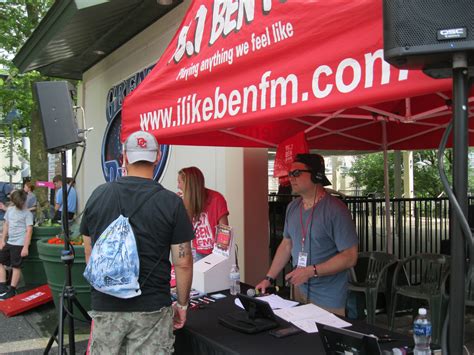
315 271
183 308
271 279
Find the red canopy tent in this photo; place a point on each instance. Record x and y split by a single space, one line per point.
253 73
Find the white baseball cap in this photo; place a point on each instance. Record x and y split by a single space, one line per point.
141 146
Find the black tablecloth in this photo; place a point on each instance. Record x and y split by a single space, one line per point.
203 334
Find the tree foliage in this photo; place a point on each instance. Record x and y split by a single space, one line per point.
368 173
18 19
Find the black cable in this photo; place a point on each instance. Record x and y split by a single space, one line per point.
67 311
309 258
309 255
73 181
462 219
452 198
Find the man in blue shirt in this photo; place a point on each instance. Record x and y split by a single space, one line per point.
71 198
319 236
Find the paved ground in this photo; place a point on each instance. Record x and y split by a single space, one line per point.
29 332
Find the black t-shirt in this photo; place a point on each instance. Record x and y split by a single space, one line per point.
159 223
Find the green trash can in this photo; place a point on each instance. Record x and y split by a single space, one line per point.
55 268
33 272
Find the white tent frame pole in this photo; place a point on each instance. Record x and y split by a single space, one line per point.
388 224
335 114
260 141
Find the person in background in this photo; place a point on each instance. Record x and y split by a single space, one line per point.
5 190
71 198
319 235
142 324
15 241
31 200
206 208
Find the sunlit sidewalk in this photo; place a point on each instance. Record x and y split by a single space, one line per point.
29 332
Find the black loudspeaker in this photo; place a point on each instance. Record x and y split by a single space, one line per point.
57 115
424 34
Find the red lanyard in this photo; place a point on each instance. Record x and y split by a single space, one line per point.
304 229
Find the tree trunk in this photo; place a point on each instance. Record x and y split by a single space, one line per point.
39 162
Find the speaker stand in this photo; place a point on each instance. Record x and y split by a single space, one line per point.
458 241
68 295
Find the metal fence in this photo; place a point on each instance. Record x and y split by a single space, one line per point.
419 225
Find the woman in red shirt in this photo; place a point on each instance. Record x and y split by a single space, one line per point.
206 209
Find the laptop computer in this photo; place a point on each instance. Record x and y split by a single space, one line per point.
344 341
257 317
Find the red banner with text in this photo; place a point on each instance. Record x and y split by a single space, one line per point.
237 64
286 153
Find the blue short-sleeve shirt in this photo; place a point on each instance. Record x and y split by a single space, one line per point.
330 231
71 199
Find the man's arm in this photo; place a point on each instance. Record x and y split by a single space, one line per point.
339 262
183 267
58 199
281 258
87 247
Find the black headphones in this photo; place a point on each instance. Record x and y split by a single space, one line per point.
317 178
314 177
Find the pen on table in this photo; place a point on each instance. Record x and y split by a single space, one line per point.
203 300
209 299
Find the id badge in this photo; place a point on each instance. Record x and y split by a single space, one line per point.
302 259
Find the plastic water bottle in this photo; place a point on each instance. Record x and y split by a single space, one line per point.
422 333
234 278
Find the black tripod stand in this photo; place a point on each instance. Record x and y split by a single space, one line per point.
68 295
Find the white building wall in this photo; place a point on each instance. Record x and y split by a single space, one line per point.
223 168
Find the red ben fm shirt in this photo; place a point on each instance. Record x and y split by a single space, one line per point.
205 227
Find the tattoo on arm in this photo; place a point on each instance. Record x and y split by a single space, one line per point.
184 250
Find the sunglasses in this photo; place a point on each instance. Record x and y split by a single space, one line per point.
297 172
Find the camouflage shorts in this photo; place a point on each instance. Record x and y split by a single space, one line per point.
132 332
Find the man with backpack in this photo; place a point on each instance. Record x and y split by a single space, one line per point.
141 322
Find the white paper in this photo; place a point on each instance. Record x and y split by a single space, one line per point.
275 301
306 316
238 303
307 325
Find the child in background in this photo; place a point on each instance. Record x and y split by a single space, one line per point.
31 200
15 242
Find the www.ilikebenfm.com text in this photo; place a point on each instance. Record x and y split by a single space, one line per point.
281 91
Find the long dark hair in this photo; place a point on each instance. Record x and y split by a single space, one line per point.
194 191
